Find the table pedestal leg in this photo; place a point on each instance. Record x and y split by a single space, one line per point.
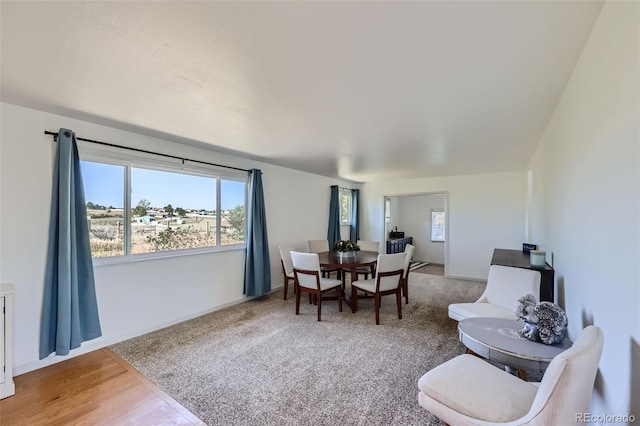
518 372
347 295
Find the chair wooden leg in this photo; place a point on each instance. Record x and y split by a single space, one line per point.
298 302
405 286
354 299
319 305
399 302
286 286
340 296
377 302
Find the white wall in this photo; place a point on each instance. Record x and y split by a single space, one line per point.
134 297
414 218
485 211
586 196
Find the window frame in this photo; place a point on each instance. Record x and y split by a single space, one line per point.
114 156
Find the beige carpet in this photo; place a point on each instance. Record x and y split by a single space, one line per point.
258 363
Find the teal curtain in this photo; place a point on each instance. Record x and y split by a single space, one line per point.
257 269
354 234
69 309
333 233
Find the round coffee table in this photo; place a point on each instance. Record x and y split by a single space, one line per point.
498 340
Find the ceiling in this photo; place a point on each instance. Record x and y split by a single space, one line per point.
357 90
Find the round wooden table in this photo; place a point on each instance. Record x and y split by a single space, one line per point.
331 260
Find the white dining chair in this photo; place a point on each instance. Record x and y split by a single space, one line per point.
408 250
373 246
287 267
320 246
388 280
306 269
369 245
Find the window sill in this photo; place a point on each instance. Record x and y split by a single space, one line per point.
115 260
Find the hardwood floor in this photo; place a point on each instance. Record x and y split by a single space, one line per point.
98 388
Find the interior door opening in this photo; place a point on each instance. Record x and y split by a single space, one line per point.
423 219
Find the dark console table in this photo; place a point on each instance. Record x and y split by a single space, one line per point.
397 245
520 259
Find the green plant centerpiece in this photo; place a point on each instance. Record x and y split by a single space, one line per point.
344 248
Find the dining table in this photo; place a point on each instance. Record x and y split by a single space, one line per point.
359 259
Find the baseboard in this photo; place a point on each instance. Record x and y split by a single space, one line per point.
478 280
102 342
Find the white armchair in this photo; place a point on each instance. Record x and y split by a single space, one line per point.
505 286
467 390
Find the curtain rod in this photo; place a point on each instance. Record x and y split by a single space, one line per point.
55 139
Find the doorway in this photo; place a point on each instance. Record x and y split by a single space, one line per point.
424 218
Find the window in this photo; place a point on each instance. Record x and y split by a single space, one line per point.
387 211
104 194
437 225
232 194
168 209
345 206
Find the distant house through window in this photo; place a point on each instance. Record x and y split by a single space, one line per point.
437 225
